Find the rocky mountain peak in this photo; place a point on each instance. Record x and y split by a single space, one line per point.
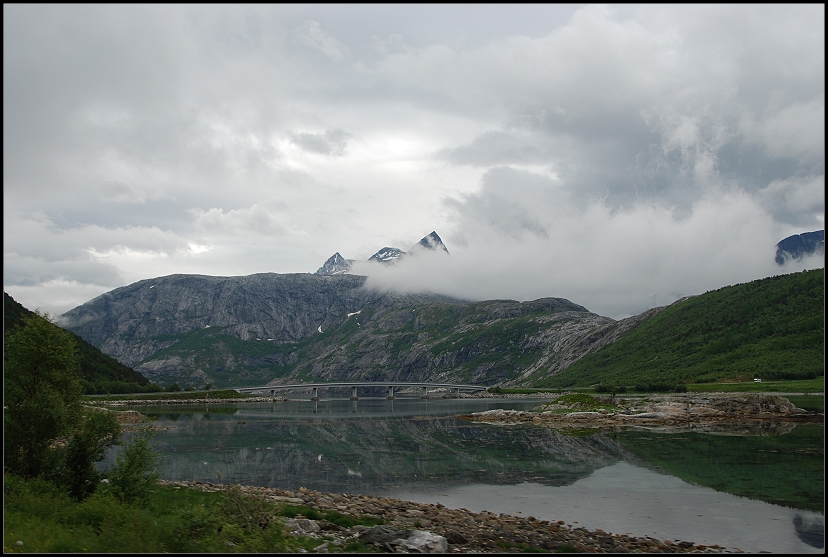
387 255
430 242
335 265
800 245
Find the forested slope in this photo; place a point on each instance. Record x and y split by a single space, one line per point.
773 328
101 373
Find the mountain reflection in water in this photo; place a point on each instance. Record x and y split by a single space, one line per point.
380 447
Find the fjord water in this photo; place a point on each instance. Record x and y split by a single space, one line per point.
756 492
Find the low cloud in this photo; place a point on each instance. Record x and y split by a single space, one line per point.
615 263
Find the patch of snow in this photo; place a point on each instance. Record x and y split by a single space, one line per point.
153 286
320 328
354 313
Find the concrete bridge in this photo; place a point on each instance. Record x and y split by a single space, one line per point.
354 385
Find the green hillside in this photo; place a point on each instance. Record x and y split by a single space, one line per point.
101 373
772 328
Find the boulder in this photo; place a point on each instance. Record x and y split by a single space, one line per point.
404 541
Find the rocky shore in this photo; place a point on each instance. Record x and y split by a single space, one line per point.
410 527
677 410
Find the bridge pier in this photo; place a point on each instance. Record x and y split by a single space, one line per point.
425 393
389 393
315 393
354 394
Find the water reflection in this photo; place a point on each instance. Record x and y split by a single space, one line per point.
408 445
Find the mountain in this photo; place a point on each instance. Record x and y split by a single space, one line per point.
337 265
101 373
387 255
431 242
773 328
242 331
800 245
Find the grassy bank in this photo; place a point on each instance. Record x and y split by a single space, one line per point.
791 386
801 386
179 395
175 520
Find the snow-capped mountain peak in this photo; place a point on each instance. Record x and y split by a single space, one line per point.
387 255
429 242
337 265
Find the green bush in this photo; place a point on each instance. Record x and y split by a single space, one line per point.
135 472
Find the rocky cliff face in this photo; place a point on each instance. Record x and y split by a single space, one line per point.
236 331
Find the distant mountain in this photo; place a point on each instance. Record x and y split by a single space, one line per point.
241 331
432 242
257 329
800 245
101 373
337 265
387 255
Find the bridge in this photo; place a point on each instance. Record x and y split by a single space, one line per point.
354 385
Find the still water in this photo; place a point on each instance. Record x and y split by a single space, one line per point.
755 490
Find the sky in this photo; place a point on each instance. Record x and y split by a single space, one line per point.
620 156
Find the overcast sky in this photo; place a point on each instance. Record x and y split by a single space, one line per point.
620 157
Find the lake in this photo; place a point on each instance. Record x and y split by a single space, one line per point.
760 491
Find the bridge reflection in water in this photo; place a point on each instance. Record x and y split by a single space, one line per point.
354 385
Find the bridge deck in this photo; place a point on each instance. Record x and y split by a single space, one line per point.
394 384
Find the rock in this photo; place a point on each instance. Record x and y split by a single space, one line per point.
456 538
420 541
404 541
379 535
302 525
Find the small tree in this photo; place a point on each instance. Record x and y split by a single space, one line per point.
135 471
46 431
73 464
41 388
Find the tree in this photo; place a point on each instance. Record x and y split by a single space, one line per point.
46 430
135 471
73 464
41 386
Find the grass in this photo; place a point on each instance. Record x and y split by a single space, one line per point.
801 386
179 395
176 520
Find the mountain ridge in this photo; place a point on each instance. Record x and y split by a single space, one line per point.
232 331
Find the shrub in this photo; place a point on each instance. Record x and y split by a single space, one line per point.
135 471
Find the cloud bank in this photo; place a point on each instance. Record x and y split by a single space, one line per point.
618 156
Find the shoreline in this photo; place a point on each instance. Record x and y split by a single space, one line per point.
687 410
464 531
